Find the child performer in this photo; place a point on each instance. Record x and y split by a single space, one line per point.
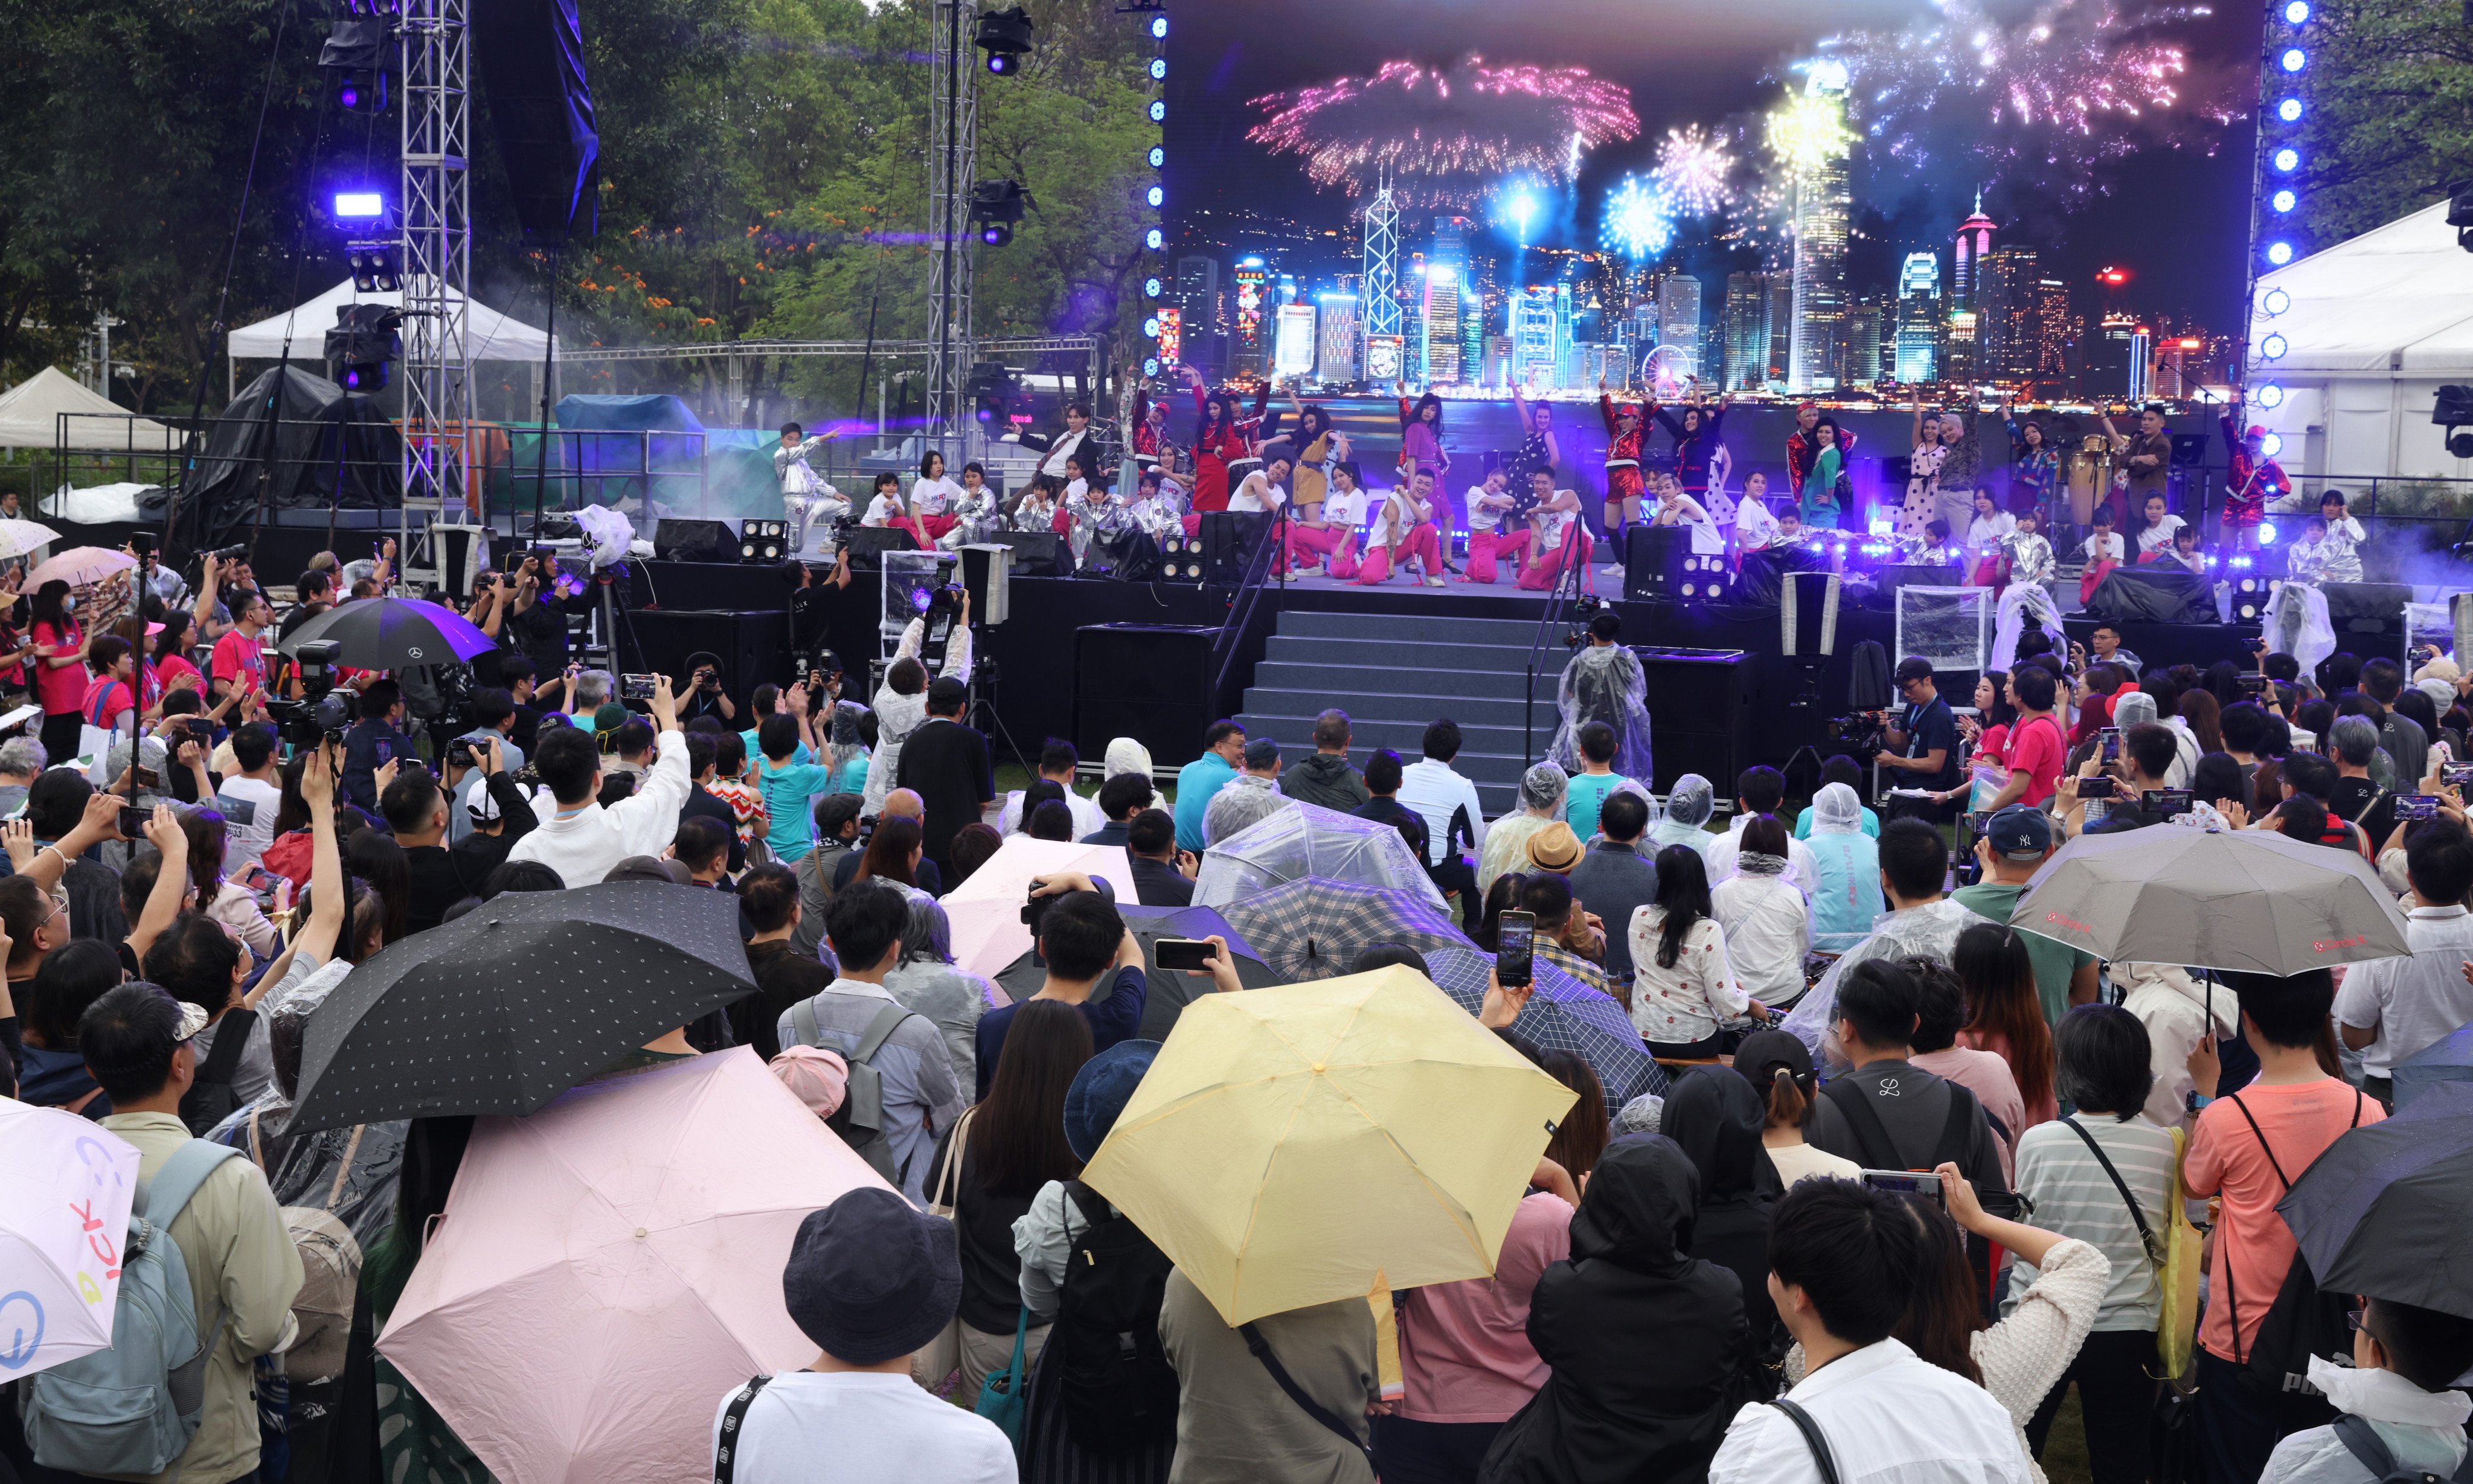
2104 551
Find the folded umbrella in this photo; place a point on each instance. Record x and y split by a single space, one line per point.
391 634
1314 927
78 566
516 1001
609 1267
2386 1211
2208 899
1289 1145
66 1189
1562 1015
20 537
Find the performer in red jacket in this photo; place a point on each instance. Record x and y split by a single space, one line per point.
1220 441
2252 480
1626 429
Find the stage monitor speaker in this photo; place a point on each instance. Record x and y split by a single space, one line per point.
1699 712
868 545
680 539
1761 583
2190 449
1037 553
715 586
1229 539
754 648
987 576
2155 593
1887 581
530 57
1654 561
1148 682
2369 608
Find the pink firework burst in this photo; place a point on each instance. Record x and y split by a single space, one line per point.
1444 136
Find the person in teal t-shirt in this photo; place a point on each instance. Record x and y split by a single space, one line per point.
1595 782
765 703
786 784
1197 783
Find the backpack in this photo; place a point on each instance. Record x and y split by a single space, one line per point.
1880 1153
860 1120
1119 1393
133 1408
330 1267
2370 1452
211 1099
2302 1322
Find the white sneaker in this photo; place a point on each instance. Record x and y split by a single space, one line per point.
1436 582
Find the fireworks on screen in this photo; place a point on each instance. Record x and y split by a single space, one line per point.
1807 130
1445 135
1639 219
2060 84
1694 166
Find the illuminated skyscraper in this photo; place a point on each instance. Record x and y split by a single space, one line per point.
1822 205
1251 348
2053 329
1962 358
1343 332
1919 318
1859 342
1781 326
1536 349
2006 304
1197 296
1678 319
1746 332
1446 285
1974 241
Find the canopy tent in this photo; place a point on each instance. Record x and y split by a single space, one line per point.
30 418
492 336
2376 325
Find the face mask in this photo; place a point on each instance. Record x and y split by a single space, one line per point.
68 605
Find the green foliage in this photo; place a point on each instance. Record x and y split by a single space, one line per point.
2390 121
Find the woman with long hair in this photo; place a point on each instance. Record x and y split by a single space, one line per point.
1988 728
1220 441
2203 714
168 659
2152 538
373 856
1696 441
60 667
1421 449
893 852
1685 992
227 902
1502 897
1009 1145
1765 919
1538 447
1319 447
2004 1014
1581 1134
2034 467
1922 505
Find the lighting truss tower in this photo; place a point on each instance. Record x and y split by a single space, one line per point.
1382 262
952 167
437 68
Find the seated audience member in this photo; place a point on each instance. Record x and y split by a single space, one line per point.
1231 1409
55 807
1759 794
2016 843
1644 1346
1779 1068
1846 896
1442 797
582 839
1057 762
1910 1126
50 1071
1685 993
974 846
769 902
1324 777
1382 777
921 1100
1163 874
1564 937
2390 1008
1595 781
1614 879
1121 798
1765 919
870 1282
1844 1260
1250 798
1839 768
1050 820
1199 782
1082 941
1507 840
899 804
2400 1397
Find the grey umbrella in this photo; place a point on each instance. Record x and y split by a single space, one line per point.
2206 899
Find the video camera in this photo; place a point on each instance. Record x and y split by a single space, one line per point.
326 709
935 603
1862 735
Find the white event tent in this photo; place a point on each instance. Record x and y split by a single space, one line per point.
491 335
30 418
2375 325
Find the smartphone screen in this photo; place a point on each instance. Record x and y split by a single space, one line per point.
1904 1182
2456 774
1183 953
1515 950
2165 802
2253 685
2417 806
2111 736
2096 787
133 822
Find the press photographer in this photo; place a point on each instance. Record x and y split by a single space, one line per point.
1922 741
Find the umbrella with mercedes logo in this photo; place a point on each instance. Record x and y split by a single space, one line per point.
517 1000
393 634
2213 898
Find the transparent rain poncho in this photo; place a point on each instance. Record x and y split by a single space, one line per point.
1605 683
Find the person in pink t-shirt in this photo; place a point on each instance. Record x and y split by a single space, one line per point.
2247 1147
1938 1017
1465 1361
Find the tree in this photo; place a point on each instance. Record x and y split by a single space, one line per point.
2387 121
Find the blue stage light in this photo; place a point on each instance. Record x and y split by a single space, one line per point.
2286 160
2292 60
2283 201
2273 348
1158 157
2276 301
1158 68
2270 397
2270 445
1155 195
1154 239
1150 328
2289 111
1159 110
359 205
1158 27
1150 366
1151 288
2279 252
2296 12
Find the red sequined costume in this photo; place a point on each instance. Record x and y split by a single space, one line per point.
1623 450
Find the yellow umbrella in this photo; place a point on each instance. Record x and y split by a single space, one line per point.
1290 1143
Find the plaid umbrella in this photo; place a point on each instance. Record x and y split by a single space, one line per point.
1313 927
1562 1015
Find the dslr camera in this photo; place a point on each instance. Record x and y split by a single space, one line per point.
326 709
1862 735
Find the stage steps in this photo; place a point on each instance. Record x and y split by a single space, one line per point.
1393 673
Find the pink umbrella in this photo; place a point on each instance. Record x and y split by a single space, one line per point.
607 1267
78 566
986 910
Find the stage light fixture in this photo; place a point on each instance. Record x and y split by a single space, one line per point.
362 345
2289 111
1154 239
377 266
1154 197
2276 301
2271 444
2292 60
1159 111
994 206
2286 160
1158 27
2283 201
2267 533
1158 157
991 390
2296 12
2279 252
1150 328
2270 397
762 540
1150 366
2274 346
2249 595
359 205
1158 68
1151 287
355 54
1004 35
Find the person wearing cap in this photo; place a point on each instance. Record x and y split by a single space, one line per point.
1250 798
1922 741
2016 841
1779 1068
870 1281
244 1270
497 815
2253 480
1507 840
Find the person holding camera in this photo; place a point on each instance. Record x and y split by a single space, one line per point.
703 695
1922 741
1081 940
371 742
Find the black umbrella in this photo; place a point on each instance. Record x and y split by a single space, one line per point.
516 1001
393 634
2388 1211
1170 990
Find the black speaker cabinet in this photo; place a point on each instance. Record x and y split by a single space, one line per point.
1229 541
1699 712
868 545
679 540
754 648
2369 608
1037 553
1148 682
1653 561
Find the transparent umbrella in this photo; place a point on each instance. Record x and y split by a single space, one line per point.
1310 841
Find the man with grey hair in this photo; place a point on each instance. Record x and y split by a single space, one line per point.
592 688
21 758
1325 778
2357 798
1251 797
1507 840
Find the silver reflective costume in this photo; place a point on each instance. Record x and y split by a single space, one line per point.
1605 683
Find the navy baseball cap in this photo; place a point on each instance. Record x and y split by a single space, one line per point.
2020 833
